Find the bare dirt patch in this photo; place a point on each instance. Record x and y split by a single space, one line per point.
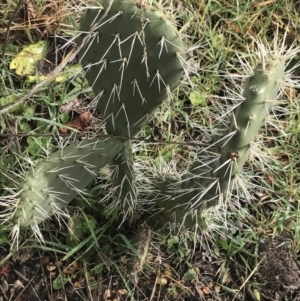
279 272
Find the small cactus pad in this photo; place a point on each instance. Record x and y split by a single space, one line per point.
54 182
133 59
210 179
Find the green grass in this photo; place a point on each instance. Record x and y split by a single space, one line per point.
219 33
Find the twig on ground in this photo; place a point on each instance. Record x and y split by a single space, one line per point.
8 28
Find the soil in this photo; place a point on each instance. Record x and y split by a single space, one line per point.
279 272
34 276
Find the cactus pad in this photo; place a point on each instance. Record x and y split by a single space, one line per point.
133 59
53 183
210 179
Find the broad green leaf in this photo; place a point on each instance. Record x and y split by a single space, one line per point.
25 62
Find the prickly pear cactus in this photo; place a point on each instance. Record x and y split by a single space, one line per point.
54 183
219 165
133 58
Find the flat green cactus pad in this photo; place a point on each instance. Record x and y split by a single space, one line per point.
54 183
211 177
133 59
